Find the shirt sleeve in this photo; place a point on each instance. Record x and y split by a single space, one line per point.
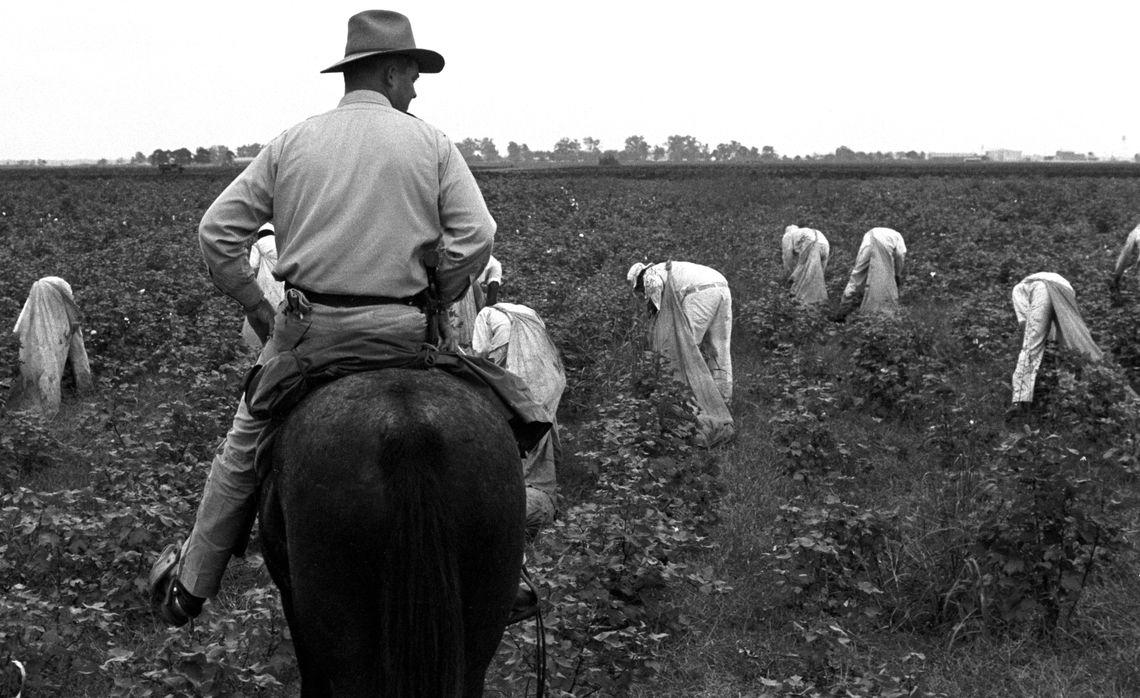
786 251
492 331
824 251
232 221
900 256
468 228
1128 254
654 283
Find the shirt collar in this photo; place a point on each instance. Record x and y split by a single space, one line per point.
364 97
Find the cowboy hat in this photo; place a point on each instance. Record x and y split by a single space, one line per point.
375 32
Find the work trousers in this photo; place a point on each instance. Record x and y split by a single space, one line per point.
1038 322
709 313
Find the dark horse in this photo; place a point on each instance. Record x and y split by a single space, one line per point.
393 525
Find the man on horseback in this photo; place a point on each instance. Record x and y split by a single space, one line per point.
356 194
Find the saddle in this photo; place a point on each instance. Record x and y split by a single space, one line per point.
272 389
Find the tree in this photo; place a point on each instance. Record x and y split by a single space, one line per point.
519 153
685 149
182 156
221 155
567 150
658 152
635 149
202 156
159 157
590 145
488 150
767 153
249 150
726 152
139 159
469 149
845 154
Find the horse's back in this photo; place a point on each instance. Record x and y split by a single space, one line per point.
394 525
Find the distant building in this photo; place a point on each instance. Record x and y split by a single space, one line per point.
1071 156
1003 155
952 157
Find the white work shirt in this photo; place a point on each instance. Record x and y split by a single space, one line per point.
1130 253
796 240
687 277
492 329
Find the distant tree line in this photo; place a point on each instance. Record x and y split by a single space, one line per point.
588 150
676 148
214 155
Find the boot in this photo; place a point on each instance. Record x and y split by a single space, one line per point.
173 603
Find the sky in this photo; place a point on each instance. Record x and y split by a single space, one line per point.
84 80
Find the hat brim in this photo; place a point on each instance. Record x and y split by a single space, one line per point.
429 61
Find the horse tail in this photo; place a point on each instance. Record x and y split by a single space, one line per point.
420 601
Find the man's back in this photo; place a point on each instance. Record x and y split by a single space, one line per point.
356 194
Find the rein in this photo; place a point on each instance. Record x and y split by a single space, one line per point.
539 642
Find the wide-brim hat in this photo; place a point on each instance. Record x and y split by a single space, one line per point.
375 32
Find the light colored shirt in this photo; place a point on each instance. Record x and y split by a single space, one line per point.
492 329
796 240
893 241
1129 254
264 251
355 194
687 277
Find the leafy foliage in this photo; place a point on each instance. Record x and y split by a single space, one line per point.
893 498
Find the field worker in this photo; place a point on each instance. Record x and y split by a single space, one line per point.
50 333
691 308
263 262
484 291
515 337
805 252
1128 258
1046 307
355 194
877 274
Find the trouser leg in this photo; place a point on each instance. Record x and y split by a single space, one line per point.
720 339
227 510
539 511
1038 317
856 286
539 472
709 314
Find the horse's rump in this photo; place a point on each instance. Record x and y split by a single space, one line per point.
393 524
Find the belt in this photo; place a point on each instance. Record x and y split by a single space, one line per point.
690 290
339 300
